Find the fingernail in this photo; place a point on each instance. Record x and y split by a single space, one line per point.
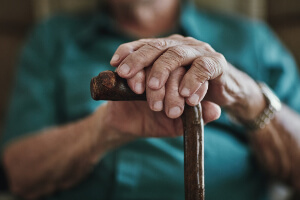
138 87
194 99
158 106
115 58
174 112
124 69
185 92
154 82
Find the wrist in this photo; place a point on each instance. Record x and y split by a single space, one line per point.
270 107
107 138
248 101
249 109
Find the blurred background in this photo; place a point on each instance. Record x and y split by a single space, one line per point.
17 17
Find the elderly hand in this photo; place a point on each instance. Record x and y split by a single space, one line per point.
135 118
158 65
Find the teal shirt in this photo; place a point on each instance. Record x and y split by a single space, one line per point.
52 88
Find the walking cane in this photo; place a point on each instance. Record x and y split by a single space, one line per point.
109 86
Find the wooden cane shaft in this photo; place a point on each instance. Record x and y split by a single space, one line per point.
109 86
193 152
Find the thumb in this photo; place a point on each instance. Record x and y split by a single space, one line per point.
210 111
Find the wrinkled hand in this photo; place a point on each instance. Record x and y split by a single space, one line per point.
160 63
159 67
135 118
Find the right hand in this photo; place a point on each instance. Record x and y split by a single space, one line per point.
157 65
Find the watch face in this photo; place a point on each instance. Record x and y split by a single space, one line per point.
270 96
274 105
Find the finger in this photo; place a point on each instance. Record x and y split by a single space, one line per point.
172 59
137 82
138 60
203 69
155 98
124 50
198 96
210 111
174 103
145 56
177 56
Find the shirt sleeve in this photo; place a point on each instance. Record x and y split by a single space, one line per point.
278 68
32 105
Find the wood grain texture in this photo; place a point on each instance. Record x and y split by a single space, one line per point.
194 153
109 86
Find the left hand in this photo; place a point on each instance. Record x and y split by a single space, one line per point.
135 118
168 85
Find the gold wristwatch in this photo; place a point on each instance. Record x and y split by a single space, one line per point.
273 106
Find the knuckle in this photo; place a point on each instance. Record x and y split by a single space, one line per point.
125 47
164 65
144 40
159 44
205 64
204 69
141 55
176 36
191 40
219 56
200 77
136 62
173 99
172 86
220 63
140 75
181 71
207 47
177 54
155 95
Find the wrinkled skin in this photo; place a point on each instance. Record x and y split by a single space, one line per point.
138 120
158 66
